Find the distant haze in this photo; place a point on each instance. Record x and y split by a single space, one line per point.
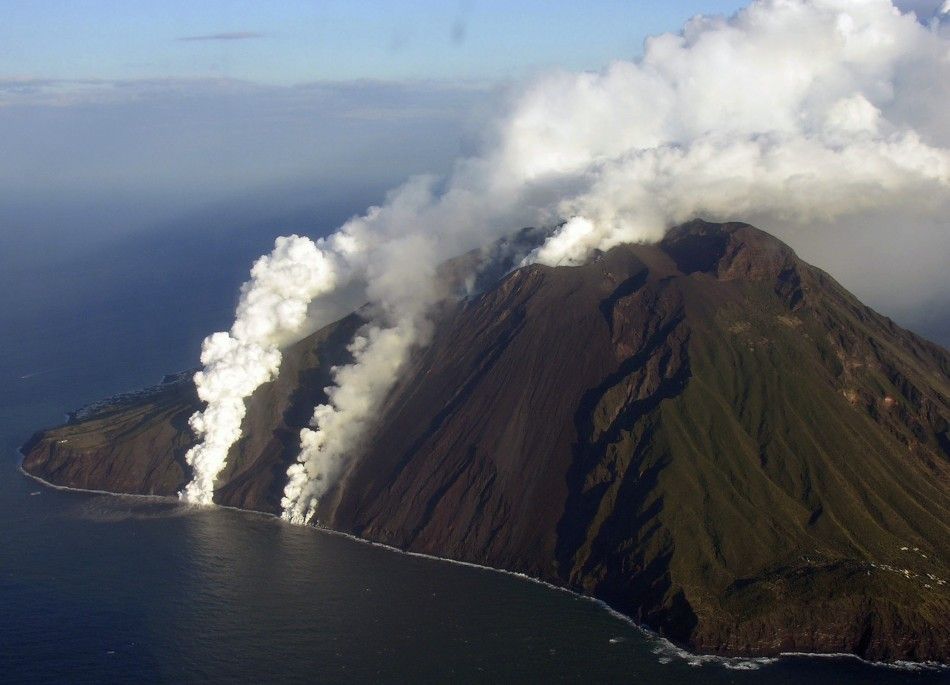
206 138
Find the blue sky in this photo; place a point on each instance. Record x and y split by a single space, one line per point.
292 41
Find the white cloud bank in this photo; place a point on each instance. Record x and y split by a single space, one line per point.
793 112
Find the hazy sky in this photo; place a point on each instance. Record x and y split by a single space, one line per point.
293 41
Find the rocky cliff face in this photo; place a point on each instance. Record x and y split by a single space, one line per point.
708 433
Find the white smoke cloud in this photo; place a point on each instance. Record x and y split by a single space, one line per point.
794 113
272 311
400 277
791 110
354 402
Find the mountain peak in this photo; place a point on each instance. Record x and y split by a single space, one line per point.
732 250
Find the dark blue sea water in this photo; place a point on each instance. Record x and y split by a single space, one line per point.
95 588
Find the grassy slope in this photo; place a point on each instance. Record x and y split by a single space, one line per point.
769 494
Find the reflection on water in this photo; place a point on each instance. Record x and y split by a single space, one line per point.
149 590
112 509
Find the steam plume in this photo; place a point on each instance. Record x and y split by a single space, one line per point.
793 113
272 310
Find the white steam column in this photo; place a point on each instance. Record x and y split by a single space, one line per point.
272 311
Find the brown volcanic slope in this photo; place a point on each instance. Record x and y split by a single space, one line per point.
709 434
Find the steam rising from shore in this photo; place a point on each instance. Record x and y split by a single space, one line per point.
791 112
272 311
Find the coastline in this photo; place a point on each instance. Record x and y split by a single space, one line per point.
664 650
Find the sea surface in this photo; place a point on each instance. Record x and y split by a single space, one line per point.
96 588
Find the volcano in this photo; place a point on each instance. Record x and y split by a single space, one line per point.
707 433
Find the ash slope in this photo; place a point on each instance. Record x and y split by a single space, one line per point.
709 434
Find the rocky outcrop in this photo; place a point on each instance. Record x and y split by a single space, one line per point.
708 433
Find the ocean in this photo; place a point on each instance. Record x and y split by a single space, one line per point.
96 588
